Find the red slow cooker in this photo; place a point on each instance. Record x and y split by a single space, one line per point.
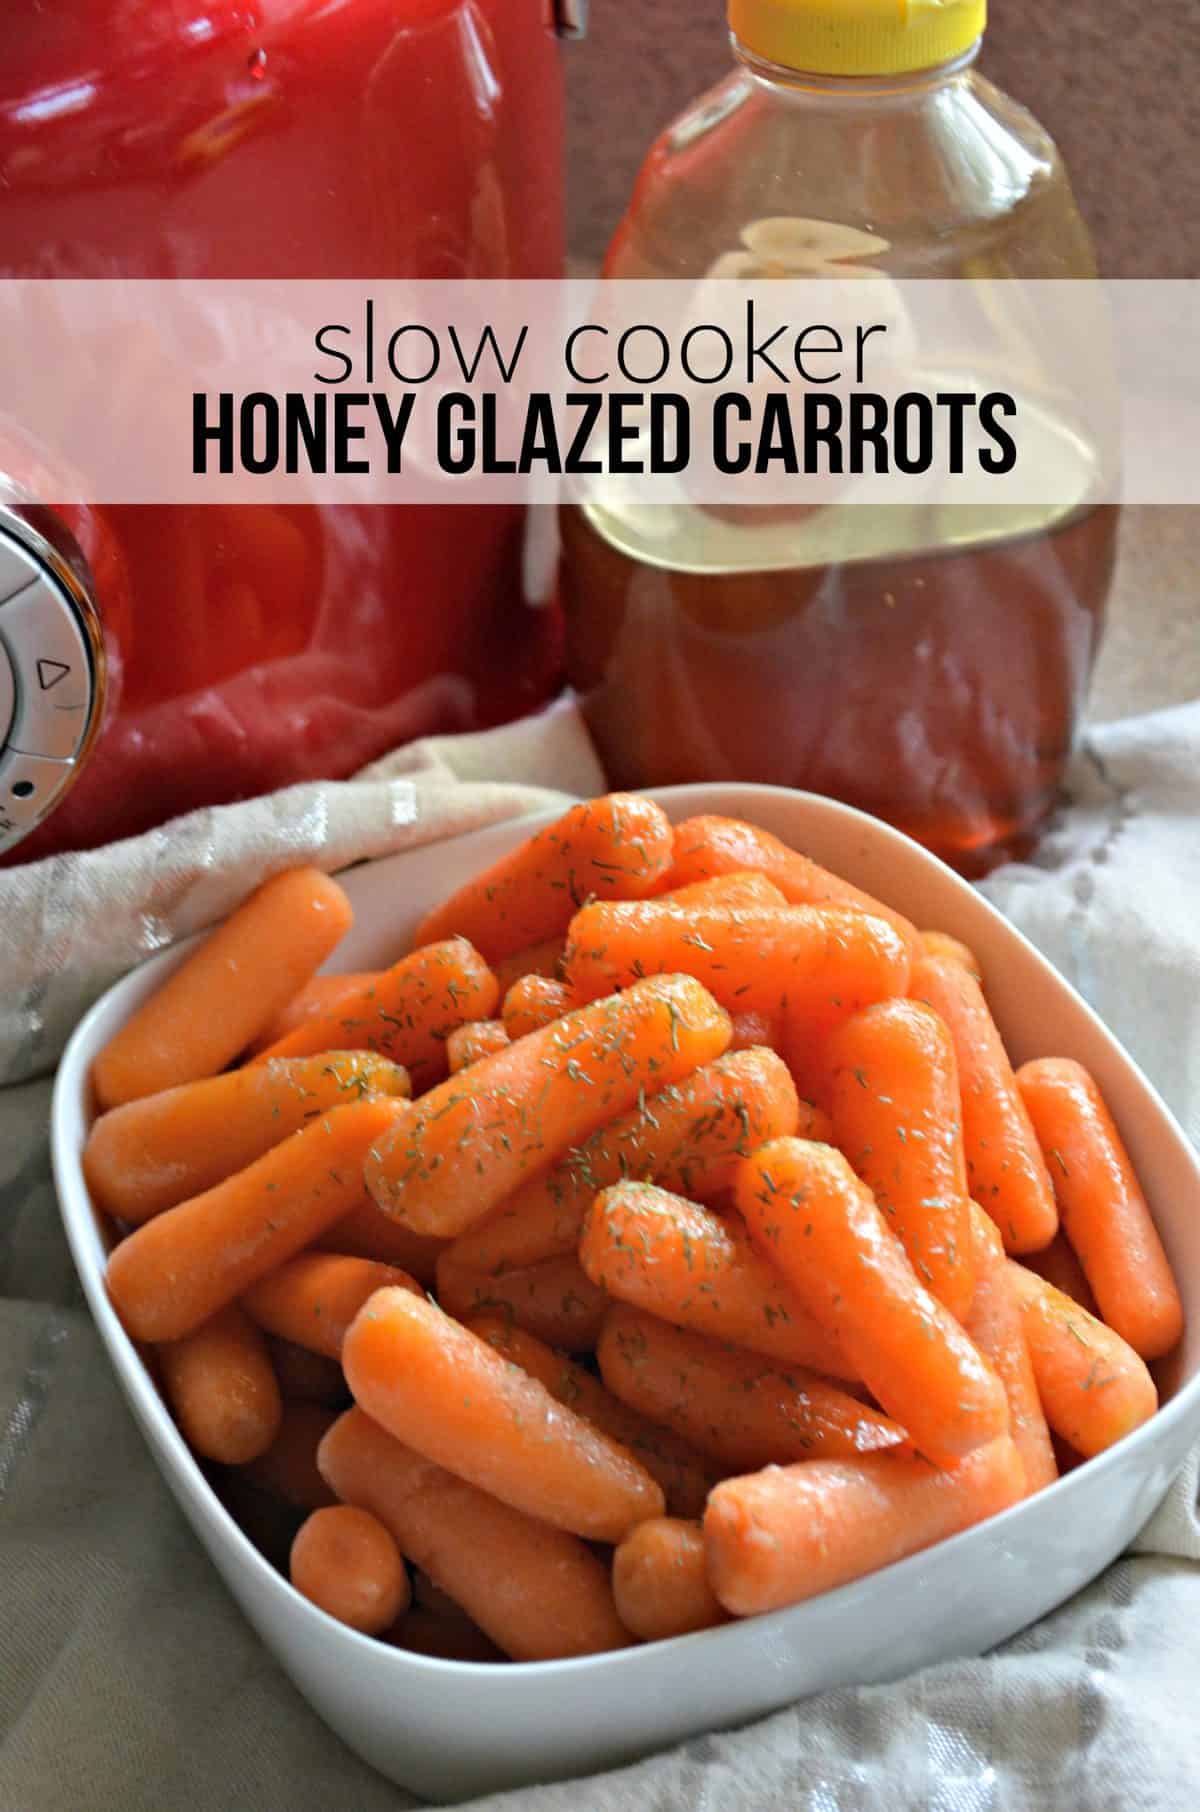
157 659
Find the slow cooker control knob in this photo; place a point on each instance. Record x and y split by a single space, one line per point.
51 669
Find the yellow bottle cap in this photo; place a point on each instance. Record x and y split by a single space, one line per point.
857 37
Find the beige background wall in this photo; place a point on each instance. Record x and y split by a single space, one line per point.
1116 81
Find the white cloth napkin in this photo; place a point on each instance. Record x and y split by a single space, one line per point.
129 1681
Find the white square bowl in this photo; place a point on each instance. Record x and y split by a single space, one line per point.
451 1730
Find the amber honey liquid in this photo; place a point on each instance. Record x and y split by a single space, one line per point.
927 666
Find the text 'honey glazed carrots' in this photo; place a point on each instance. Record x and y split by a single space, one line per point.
675 1259
178 1269
539 1593
1104 1213
808 962
687 1137
449 1395
617 847
810 1215
149 1154
470 1142
231 986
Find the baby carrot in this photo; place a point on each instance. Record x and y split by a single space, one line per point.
1059 1266
1093 1386
751 1029
1005 1170
536 959
320 995
313 1298
367 1232
306 1377
683 1263
776 1537
745 887
534 1001
896 1116
347 1564
449 1395
797 960
689 1137
812 1217
405 1013
477 1039
995 1324
735 1406
553 1300
149 1154
617 848
230 987
660 1580
683 1476
940 943
178 1269
539 1593
1104 1213
710 845
470 1142
288 1468
220 1384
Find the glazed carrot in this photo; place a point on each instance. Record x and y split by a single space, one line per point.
681 1262
552 1300
288 1468
346 1563
306 1377
424 1632
684 1477
896 1116
321 995
430 1596
1104 1213
219 1382
616 848
367 1232
735 1406
312 1299
406 1013
803 961
710 845
470 1142
539 1593
447 1394
776 1537
534 1001
178 1269
940 943
479 1038
230 987
689 1137
660 1580
148 1155
1093 1386
744 887
753 1029
995 1324
810 1215
1005 1170
1059 1266
536 959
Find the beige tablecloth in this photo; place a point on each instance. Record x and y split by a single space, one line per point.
129 1681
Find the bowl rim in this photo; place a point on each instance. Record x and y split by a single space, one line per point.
71 1100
